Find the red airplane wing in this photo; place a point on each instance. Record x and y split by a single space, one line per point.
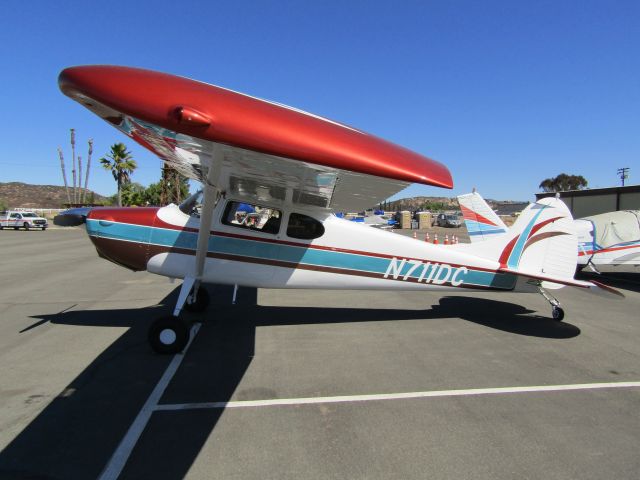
267 148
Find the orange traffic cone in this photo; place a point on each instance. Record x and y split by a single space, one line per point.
415 235
426 238
435 238
446 239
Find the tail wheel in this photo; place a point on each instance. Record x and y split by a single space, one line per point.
168 335
557 313
200 303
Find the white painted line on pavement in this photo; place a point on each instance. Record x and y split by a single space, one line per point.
119 458
393 396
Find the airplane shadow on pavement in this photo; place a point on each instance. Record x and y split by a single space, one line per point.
624 280
76 434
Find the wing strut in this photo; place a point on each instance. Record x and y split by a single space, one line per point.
211 195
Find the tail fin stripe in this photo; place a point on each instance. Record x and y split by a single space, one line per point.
542 224
486 232
542 236
466 212
504 256
514 257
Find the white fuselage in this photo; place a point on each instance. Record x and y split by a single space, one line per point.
347 256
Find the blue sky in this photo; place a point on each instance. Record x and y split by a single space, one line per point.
505 93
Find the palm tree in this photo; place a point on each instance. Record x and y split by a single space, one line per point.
121 164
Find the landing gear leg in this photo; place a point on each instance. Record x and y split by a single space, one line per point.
171 334
593 268
556 310
198 299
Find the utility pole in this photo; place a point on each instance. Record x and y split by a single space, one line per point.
624 174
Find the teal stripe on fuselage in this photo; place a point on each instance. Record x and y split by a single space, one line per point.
118 231
285 253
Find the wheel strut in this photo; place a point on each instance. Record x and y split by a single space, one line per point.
556 309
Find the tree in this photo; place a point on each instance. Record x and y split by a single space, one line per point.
121 164
132 194
563 182
153 193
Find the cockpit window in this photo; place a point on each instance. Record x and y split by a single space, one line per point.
254 217
304 227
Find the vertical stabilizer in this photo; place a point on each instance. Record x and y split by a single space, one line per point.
541 244
481 221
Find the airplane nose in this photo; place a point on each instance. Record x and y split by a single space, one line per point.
121 235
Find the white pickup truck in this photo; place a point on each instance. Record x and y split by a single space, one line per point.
19 219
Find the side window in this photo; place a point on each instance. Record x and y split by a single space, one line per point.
253 217
304 227
15 215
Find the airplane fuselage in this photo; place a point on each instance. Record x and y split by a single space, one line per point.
345 255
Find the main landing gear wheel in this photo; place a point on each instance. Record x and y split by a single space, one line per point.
169 335
557 313
200 303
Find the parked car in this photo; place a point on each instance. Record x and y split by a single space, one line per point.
18 219
447 220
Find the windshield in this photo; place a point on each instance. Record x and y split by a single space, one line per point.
452 217
191 206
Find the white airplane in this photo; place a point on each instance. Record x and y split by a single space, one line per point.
611 238
291 170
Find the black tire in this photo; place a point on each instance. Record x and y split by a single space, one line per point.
44 228
1 227
25 225
557 313
168 335
16 228
201 303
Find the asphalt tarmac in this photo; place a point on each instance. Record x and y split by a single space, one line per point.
307 384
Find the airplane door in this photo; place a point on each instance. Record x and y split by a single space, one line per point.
246 242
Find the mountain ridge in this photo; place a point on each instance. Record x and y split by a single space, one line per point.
26 195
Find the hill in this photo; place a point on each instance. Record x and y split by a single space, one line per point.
17 194
441 204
